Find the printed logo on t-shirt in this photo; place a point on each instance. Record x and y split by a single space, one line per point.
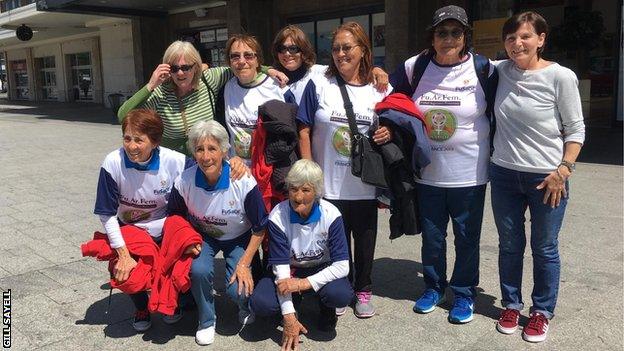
133 216
441 124
242 144
208 225
439 99
342 141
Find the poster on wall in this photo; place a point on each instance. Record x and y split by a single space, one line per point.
222 34
207 36
486 38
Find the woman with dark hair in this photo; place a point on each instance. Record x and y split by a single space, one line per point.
245 92
325 137
445 83
539 135
294 55
132 193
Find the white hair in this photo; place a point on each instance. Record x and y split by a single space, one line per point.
206 129
306 172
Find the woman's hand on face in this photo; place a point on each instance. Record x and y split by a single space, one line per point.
159 76
281 78
382 135
381 79
194 249
238 168
123 268
290 335
242 274
554 184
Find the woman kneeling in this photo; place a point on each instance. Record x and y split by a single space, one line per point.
225 212
307 250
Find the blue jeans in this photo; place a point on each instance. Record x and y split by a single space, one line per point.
512 193
202 276
464 206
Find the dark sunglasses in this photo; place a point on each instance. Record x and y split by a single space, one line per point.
455 33
345 48
247 56
291 49
184 68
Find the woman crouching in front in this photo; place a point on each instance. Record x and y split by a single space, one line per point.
225 212
308 251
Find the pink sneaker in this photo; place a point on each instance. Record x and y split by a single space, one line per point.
508 321
363 307
537 328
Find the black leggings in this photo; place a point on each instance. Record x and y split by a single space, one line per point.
360 220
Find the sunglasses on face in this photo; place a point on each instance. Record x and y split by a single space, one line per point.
345 48
291 49
247 56
443 33
183 68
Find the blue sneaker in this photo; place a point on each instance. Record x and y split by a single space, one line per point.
428 301
462 310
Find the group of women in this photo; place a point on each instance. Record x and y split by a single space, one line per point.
539 133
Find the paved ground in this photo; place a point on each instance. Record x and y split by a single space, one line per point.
49 160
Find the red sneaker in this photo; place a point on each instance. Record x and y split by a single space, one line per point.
537 328
508 321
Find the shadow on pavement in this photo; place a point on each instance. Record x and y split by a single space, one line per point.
79 112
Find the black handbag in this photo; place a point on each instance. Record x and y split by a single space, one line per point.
366 163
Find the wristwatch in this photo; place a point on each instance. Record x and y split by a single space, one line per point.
571 166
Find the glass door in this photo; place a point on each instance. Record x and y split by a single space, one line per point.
20 75
81 76
46 66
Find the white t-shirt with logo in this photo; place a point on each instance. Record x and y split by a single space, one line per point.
136 194
241 112
453 104
322 108
224 211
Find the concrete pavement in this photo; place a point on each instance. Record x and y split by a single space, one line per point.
50 156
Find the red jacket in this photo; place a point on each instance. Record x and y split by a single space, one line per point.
172 277
142 248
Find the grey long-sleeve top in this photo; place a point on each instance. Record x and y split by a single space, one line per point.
537 111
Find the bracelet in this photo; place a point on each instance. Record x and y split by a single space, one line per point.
243 265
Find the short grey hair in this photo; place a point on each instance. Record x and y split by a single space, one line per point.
205 129
306 172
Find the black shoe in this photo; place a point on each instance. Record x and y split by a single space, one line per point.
327 318
142 321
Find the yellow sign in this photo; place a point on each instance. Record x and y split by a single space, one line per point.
486 37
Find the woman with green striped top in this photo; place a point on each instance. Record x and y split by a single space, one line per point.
181 93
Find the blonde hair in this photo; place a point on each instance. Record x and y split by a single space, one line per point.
179 49
306 172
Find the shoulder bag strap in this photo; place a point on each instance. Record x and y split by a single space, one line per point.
211 95
348 106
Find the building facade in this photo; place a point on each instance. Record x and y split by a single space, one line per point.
86 50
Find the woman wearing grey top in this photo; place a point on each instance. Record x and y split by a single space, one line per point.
539 134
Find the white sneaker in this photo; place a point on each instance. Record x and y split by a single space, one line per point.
340 311
246 317
174 318
205 336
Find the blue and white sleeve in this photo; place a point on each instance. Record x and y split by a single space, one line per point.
279 247
176 204
255 210
308 105
107 198
400 81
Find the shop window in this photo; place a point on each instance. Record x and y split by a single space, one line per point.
319 32
20 75
46 80
81 76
